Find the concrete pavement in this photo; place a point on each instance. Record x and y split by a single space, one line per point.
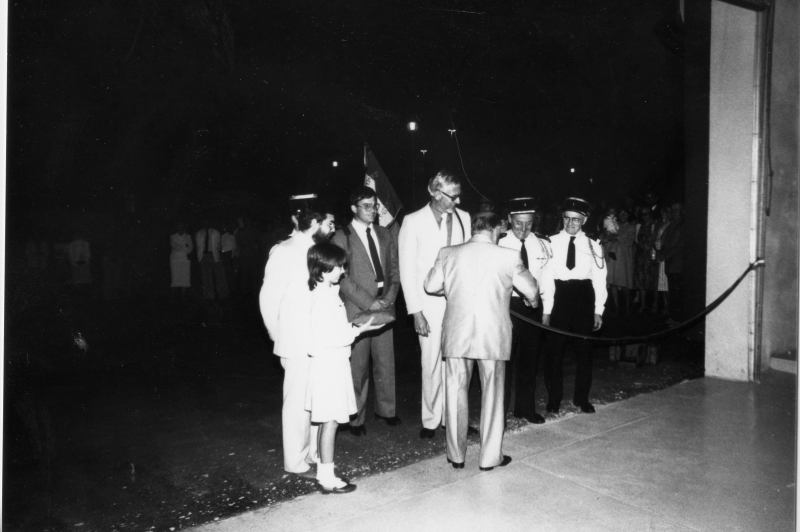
703 455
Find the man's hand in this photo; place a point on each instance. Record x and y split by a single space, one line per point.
598 322
421 324
533 303
546 319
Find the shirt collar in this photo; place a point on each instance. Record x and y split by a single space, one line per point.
360 226
480 238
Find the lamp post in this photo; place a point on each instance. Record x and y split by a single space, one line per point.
412 127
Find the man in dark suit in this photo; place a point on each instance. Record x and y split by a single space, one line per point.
372 283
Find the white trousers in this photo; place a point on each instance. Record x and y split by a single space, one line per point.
299 435
433 374
459 375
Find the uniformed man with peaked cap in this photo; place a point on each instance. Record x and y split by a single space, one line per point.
521 371
576 278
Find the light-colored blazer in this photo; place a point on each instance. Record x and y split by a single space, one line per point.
359 287
419 243
285 298
477 279
200 238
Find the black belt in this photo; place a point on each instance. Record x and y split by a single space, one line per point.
573 281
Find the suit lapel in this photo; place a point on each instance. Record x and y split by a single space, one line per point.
358 245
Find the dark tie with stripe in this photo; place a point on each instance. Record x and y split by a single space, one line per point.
571 253
376 261
524 253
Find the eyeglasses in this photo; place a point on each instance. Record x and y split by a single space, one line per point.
568 220
452 198
368 206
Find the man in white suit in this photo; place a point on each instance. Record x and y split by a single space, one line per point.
477 279
285 302
424 232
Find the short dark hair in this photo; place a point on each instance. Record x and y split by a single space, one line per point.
323 258
485 221
306 216
361 193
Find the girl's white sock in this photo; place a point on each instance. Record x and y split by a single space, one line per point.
327 478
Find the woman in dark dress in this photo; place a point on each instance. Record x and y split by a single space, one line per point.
645 266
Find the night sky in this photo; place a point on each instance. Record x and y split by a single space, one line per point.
187 105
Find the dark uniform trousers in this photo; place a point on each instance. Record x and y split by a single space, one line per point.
522 369
573 311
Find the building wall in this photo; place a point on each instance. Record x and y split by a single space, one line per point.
731 114
781 253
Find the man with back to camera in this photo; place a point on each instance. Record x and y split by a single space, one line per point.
424 232
372 283
285 302
523 367
576 278
477 278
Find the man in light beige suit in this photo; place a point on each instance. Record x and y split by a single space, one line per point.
438 224
477 279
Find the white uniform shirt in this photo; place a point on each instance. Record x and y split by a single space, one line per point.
539 254
361 231
589 264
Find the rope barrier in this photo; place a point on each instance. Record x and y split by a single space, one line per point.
655 336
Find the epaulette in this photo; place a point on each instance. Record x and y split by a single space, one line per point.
542 237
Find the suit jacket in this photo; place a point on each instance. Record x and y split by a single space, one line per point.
359 287
477 279
672 247
285 298
419 243
200 238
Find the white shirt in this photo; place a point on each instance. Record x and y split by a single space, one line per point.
331 333
539 254
589 264
361 231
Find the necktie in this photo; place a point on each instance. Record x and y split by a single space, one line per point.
449 228
376 261
524 253
571 253
208 237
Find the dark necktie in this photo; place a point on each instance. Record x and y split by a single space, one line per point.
208 237
524 253
376 261
571 253
449 228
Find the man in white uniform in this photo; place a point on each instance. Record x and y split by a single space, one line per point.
523 367
423 234
285 302
576 276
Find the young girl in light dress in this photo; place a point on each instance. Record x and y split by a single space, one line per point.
329 394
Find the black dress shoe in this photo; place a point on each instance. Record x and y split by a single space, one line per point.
456 465
344 489
553 408
358 430
472 431
586 407
427 433
534 418
505 462
391 421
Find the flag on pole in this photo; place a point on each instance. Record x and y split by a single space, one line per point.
389 203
